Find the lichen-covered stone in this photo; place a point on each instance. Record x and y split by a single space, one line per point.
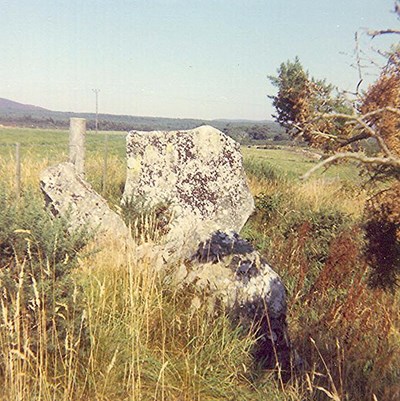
199 173
229 269
70 196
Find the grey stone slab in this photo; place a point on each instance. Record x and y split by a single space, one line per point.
199 173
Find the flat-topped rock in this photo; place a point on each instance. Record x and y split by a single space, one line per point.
198 172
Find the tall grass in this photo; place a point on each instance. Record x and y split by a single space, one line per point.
117 330
349 333
106 327
96 322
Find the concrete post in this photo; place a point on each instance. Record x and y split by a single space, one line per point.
77 132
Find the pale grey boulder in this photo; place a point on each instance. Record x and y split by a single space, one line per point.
229 270
69 195
199 173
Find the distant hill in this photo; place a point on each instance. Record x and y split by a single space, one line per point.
10 106
245 131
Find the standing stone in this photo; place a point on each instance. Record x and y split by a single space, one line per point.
68 195
199 173
233 273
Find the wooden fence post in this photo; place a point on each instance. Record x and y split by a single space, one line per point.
77 132
17 170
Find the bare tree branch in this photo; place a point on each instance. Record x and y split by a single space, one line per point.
381 110
348 141
324 135
358 61
360 121
386 161
393 110
383 32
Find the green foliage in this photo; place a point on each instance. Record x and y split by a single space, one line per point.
147 223
254 133
37 257
292 82
318 229
27 226
301 99
267 205
263 171
314 229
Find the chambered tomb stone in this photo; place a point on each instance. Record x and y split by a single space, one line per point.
70 196
198 173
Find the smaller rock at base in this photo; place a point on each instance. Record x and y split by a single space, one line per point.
229 268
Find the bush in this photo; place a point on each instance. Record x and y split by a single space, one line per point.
37 257
342 328
382 232
267 205
316 230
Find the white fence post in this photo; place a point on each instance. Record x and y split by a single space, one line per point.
77 132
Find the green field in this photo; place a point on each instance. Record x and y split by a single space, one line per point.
293 163
52 145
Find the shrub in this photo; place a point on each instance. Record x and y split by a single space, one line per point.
382 232
37 257
267 205
316 230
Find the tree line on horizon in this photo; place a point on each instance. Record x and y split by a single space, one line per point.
243 131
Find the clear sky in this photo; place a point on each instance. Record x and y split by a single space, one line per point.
175 58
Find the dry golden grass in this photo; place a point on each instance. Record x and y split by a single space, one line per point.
319 193
136 337
315 194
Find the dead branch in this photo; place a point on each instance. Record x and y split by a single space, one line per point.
393 110
359 119
324 135
358 61
373 34
348 141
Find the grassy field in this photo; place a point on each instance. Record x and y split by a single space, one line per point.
294 163
87 321
53 144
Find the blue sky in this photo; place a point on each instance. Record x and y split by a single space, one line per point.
176 58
